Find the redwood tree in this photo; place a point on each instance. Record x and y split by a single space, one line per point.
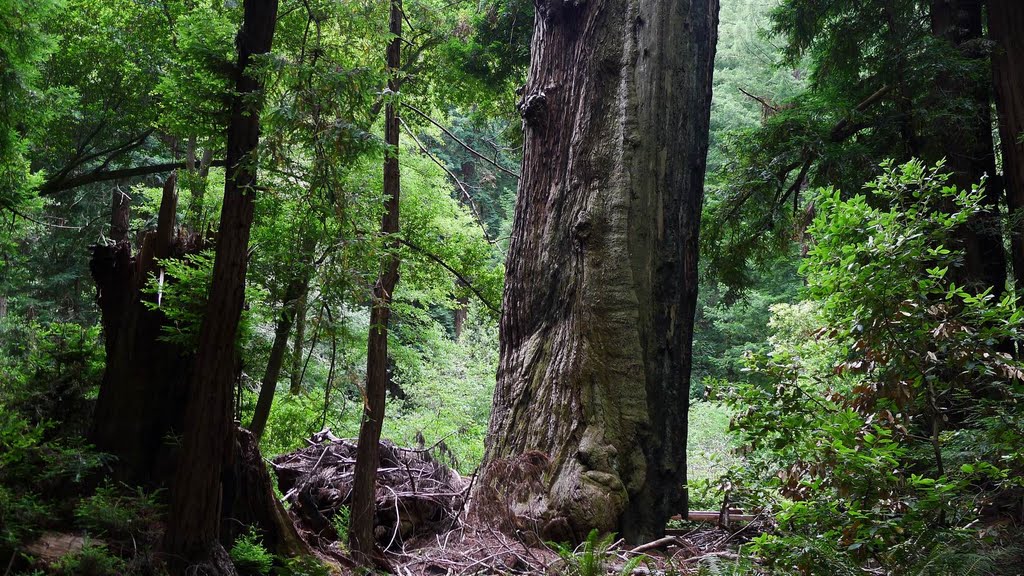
601 281
191 540
1006 30
361 538
963 136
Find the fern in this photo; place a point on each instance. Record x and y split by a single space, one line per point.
591 557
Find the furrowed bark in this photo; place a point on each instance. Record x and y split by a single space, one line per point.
361 534
191 540
601 281
966 143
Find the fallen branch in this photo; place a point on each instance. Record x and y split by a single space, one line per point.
655 544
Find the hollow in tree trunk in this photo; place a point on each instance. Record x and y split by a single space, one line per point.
601 280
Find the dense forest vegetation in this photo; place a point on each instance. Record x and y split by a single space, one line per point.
309 287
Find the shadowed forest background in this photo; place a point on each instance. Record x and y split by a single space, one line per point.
855 381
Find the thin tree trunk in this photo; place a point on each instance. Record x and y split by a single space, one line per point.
191 539
601 280
268 386
1006 29
969 151
297 345
361 536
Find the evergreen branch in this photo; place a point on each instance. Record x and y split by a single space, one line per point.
461 143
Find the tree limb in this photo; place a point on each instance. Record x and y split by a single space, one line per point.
54 186
461 143
437 259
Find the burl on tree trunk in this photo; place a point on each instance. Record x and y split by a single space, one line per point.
601 280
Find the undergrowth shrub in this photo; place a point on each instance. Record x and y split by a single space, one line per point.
886 410
120 512
592 557
250 557
92 560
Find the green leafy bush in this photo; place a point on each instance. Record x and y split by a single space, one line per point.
119 512
91 560
884 411
250 557
181 292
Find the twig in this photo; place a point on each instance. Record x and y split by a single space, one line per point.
448 267
463 144
655 544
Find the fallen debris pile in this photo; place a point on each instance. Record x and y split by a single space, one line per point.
416 495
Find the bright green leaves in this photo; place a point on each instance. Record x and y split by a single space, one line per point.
886 407
24 44
195 85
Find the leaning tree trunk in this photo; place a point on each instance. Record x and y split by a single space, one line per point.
290 308
191 538
966 141
1006 29
295 377
601 281
361 533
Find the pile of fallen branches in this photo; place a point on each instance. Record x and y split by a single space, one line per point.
416 495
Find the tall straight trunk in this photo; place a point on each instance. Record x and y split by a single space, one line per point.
361 537
191 539
601 279
293 294
966 141
1006 30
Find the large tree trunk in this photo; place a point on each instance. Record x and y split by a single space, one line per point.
361 533
601 281
965 140
1006 29
140 400
191 539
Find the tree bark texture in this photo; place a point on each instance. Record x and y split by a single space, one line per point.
191 540
361 533
251 502
964 138
1006 30
298 342
601 280
141 399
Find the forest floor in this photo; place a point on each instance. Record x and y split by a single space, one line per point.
428 526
